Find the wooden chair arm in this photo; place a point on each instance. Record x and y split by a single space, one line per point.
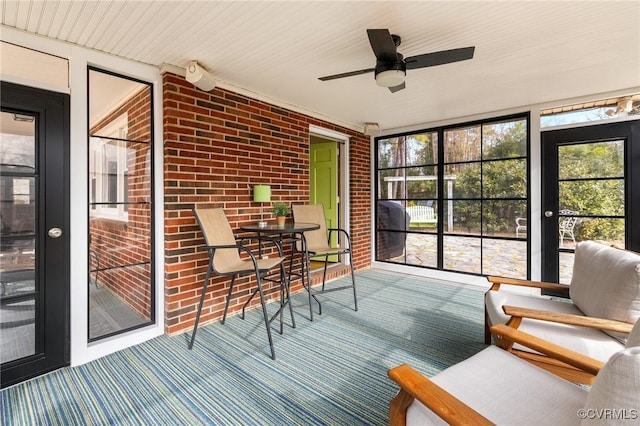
414 385
442 403
591 322
552 350
543 285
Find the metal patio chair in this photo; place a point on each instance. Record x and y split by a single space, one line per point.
224 260
318 243
567 224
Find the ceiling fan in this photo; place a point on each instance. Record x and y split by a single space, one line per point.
391 67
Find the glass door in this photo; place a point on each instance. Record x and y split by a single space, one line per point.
590 192
34 248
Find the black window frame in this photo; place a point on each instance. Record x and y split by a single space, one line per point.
442 195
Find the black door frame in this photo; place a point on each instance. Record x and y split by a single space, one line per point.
550 140
52 111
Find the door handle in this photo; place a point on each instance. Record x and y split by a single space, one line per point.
548 213
55 232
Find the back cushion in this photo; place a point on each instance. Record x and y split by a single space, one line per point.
616 390
606 283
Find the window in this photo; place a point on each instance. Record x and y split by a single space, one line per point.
108 168
120 192
455 198
592 112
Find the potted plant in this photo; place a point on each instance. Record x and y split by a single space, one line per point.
281 210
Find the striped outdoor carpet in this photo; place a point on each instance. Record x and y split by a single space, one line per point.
329 371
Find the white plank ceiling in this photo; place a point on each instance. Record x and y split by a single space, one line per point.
526 52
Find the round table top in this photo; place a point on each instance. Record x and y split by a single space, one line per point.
274 228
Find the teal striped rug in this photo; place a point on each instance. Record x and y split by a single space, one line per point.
330 371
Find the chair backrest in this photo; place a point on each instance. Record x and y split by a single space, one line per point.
617 385
312 213
606 283
217 232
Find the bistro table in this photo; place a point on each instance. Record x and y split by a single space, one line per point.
289 232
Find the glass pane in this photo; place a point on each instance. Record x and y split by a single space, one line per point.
504 179
504 140
462 217
391 184
17 236
119 300
18 329
422 182
422 149
391 152
17 142
505 258
463 180
462 254
591 160
110 99
422 250
117 243
595 197
463 144
18 206
605 230
499 217
566 267
138 173
390 246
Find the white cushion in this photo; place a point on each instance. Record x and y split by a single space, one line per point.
587 341
606 283
507 390
614 397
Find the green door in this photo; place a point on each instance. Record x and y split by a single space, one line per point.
324 182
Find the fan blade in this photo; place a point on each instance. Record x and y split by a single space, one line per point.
439 58
383 46
394 89
346 74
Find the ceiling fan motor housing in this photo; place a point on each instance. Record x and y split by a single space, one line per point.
390 74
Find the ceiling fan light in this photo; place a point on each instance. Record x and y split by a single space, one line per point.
390 78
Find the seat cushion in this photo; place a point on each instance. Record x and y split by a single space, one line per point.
587 341
507 390
606 283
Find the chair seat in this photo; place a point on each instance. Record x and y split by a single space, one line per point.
576 338
493 380
325 250
247 265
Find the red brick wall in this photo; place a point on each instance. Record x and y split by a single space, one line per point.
217 145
